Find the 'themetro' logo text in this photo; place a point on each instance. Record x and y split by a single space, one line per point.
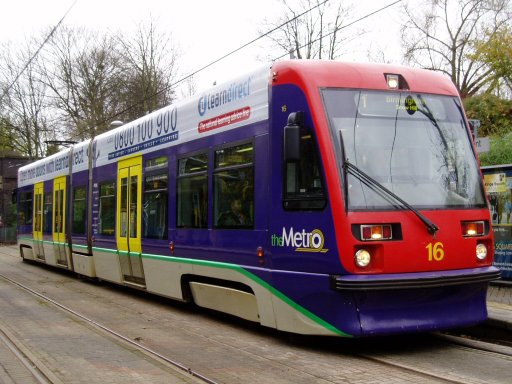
302 241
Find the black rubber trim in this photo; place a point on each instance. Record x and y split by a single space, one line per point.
344 283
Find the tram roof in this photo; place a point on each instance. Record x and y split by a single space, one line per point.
227 106
313 74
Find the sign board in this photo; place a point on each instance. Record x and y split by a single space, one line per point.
482 144
498 186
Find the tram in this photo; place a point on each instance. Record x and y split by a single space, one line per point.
314 197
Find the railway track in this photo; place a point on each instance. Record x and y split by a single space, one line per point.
35 372
486 335
300 362
378 350
460 342
43 378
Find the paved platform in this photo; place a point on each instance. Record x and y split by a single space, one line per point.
67 348
499 304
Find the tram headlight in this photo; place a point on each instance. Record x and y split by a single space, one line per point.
362 258
392 80
481 251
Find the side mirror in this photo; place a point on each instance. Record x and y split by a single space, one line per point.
14 196
474 125
292 136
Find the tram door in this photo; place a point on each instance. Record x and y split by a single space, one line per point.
59 220
38 220
129 220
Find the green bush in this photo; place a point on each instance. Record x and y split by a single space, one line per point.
495 115
500 151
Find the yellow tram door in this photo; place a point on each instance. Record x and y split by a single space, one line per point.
59 220
129 220
37 223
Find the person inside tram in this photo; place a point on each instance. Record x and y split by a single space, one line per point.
234 217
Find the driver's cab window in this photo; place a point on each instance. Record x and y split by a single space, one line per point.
303 179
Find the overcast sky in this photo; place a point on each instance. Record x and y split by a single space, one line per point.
204 30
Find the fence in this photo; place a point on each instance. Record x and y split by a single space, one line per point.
7 235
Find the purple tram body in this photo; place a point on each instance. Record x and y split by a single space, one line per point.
312 197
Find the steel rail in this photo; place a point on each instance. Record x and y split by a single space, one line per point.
109 331
28 362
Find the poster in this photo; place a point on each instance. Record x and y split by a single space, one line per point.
498 186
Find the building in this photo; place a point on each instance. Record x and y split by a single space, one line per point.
10 161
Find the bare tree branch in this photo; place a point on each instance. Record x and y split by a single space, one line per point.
440 35
315 35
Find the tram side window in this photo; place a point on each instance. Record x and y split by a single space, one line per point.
233 199
58 225
192 198
47 212
107 208
155 199
303 185
79 210
26 208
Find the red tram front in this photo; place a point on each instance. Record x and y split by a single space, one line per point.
405 194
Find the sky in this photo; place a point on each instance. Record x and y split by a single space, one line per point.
203 30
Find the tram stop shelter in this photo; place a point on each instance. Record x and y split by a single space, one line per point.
498 185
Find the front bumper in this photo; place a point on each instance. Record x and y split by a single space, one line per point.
414 280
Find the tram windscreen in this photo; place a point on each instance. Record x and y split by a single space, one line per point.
416 145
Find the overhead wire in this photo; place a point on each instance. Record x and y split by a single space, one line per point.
242 47
9 87
195 72
343 27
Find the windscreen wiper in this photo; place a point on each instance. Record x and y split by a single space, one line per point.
429 115
370 181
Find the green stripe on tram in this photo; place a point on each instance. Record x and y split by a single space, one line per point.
233 267
257 280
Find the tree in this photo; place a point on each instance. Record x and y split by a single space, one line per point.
100 78
440 35
85 73
150 66
313 35
80 82
5 128
494 113
26 122
188 87
495 51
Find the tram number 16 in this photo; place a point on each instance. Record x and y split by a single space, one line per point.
435 251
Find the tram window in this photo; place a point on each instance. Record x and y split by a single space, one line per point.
79 210
156 163
26 208
192 196
303 185
155 207
107 208
47 212
233 199
58 222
